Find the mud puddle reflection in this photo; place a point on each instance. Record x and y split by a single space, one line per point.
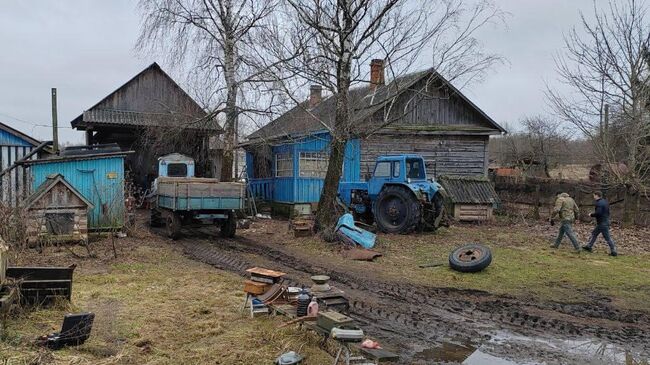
505 348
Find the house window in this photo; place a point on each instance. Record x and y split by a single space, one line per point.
177 170
59 223
283 165
313 164
382 169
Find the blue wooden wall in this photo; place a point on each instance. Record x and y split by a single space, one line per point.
14 186
296 189
98 179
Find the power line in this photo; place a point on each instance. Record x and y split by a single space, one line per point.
31 123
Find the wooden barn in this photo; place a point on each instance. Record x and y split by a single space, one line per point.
153 116
287 159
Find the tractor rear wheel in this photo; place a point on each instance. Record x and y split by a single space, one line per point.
397 210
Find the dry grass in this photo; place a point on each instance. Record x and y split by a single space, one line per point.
154 306
523 264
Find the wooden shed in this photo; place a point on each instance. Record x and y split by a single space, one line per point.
470 198
57 212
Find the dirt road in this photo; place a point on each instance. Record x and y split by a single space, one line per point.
441 325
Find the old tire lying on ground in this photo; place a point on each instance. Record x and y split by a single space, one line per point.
470 258
397 210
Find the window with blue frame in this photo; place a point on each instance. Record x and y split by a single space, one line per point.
284 165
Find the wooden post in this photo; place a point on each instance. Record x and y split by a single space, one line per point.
55 124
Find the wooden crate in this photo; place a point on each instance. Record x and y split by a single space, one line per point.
255 288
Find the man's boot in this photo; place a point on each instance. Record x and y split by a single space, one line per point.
587 248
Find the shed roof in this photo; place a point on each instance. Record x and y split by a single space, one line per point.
469 190
365 101
48 184
105 113
77 157
30 140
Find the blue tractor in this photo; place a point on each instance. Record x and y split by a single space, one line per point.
398 196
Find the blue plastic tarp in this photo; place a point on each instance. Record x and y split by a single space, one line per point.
351 232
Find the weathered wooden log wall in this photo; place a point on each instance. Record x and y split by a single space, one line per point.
443 154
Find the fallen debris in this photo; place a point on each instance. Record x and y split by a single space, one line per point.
42 285
289 358
431 264
349 233
74 331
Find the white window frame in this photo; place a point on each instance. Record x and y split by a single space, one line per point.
319 159
286 157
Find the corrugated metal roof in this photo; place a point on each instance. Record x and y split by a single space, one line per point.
132 118
469 190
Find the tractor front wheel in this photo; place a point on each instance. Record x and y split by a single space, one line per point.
397 210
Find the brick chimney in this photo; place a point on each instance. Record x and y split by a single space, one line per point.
377 72
315 95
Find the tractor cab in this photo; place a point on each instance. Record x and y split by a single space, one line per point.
398 169
175 165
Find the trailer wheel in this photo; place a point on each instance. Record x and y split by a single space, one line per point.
397 210
155 219
173 224
229 226
470 258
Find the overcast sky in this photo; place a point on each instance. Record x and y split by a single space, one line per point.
85 49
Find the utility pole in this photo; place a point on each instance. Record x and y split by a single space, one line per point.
55 124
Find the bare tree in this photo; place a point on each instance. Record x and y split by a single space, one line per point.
546 141
606 69
216 40
337 39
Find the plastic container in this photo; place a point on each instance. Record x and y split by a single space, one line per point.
312 309
303 302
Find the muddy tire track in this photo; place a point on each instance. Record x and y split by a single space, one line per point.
405 314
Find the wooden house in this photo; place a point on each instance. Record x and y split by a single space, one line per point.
153 116
419 113
56 212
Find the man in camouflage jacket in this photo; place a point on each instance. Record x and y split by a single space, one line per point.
567 210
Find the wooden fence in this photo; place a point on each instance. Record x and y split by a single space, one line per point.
534 197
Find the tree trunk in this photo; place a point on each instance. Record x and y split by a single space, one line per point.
230 110
325 217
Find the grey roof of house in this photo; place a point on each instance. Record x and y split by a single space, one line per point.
469 190
364 101
48 184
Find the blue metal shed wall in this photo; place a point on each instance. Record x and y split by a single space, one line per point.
98 179
14 186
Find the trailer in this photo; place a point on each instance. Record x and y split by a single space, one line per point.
180 199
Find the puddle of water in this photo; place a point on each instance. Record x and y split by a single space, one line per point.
521 350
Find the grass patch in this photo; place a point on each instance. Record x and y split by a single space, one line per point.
523 264
154 306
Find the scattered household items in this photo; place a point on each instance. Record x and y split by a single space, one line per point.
289 358
74 331
258 307
244 223
98 176
42 285
312 309
320 283
264 285
178 198
473 257
262 216
360 254
398 196
302 226
303 300
265 275
352 235
471 198
370 344
57 212
327 320
347 334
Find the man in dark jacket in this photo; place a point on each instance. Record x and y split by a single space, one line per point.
601 213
